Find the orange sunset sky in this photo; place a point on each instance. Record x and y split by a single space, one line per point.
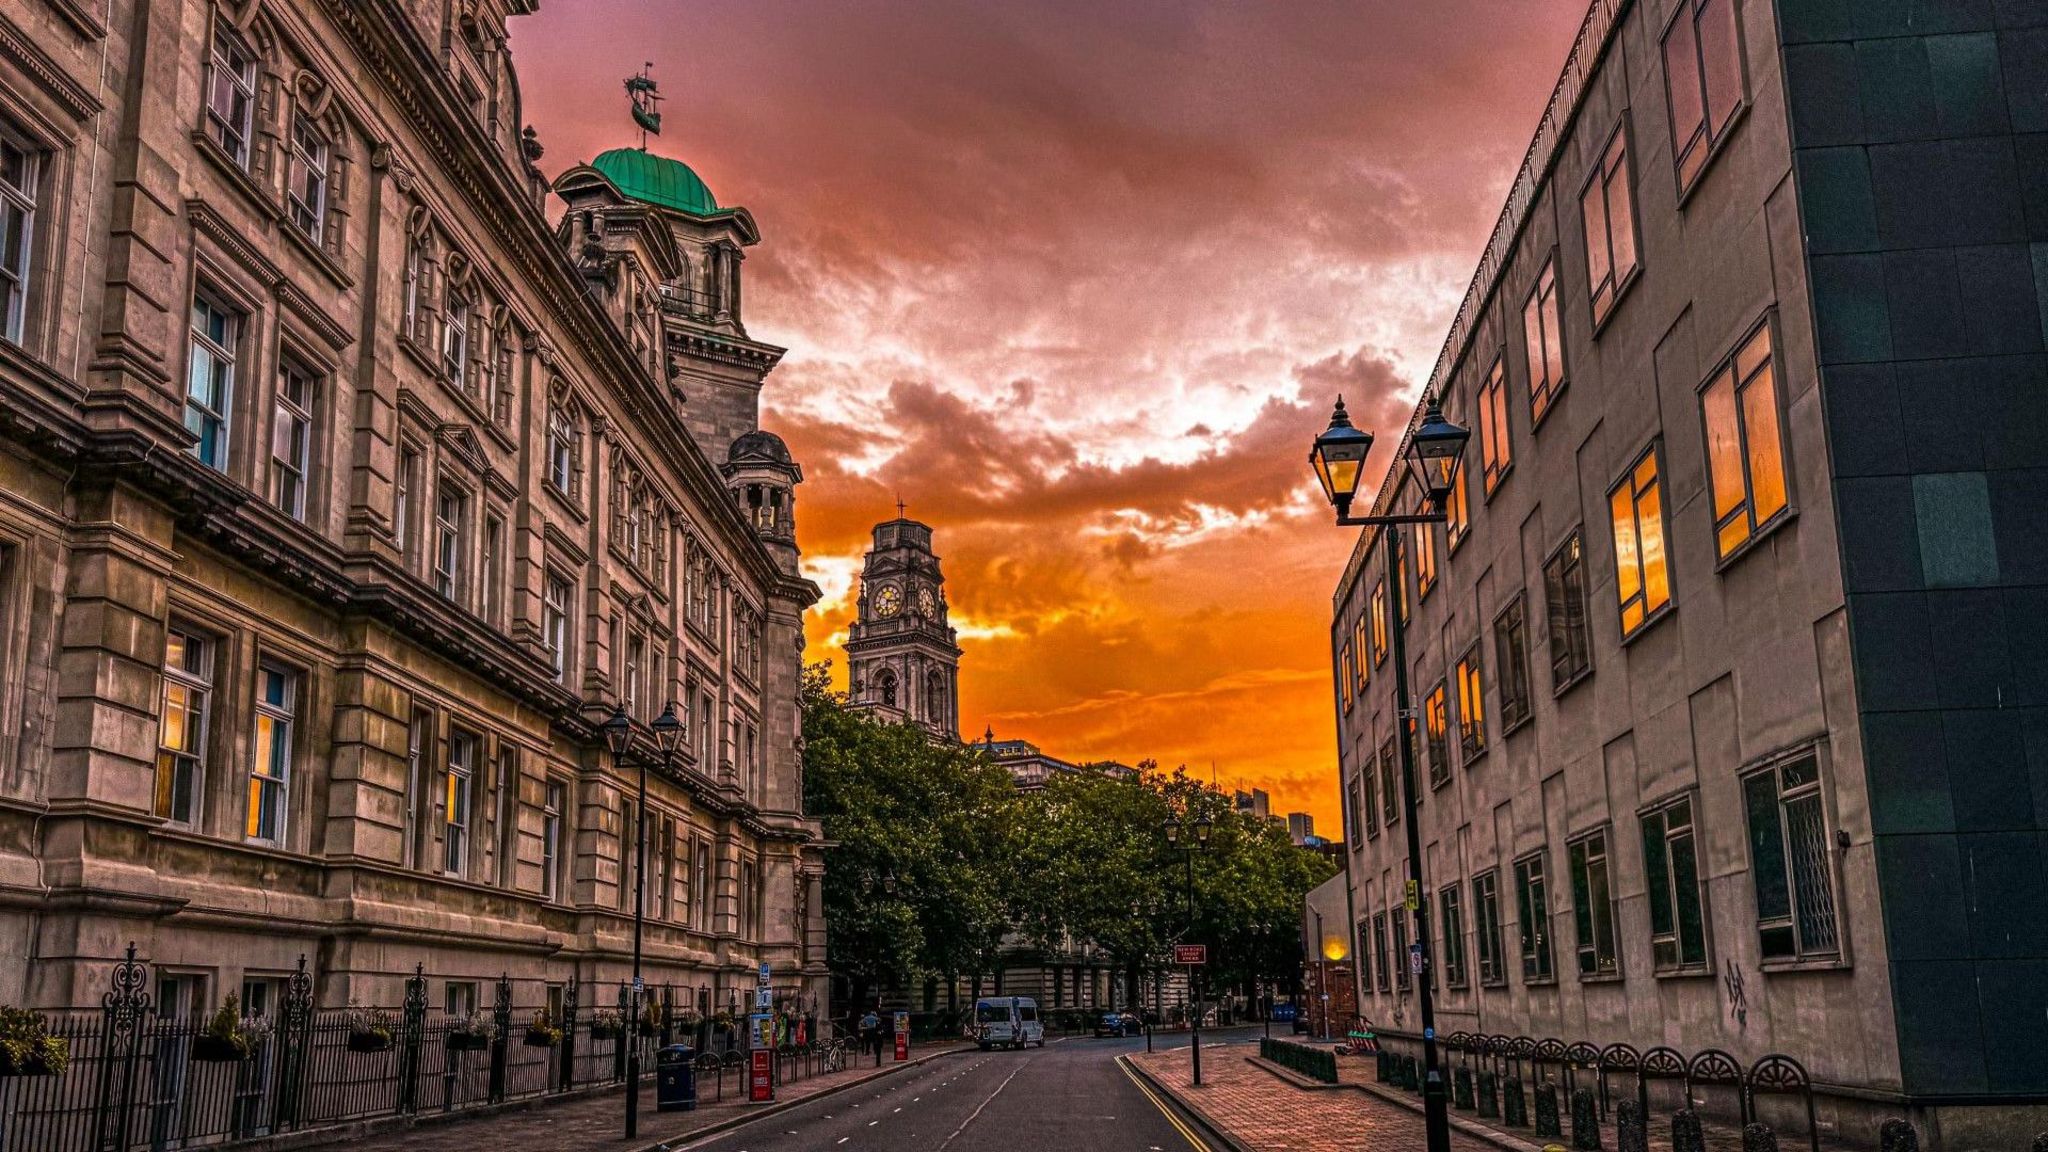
1079 279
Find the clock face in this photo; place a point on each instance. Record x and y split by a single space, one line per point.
888 601
927 603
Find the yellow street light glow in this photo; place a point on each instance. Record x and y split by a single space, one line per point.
1334 948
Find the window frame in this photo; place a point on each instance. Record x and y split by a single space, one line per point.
1704 136
1617 283
1486 922
1390 794
1571 579
1538 951
458 783
1450 920
1384 981
557 631
1369 799
312 158
1378 603
553 811
299 412
1593 912
1436 713
283 717
1819 792
1495 428
458 310
1729 369
1631 483
198 675
214 120
1403 978
23 199
1457 510
1511 680
1544 304
1664 837
1471 677
451 539
221 353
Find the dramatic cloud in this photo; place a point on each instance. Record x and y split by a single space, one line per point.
1078 281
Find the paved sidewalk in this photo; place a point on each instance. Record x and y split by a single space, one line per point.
595 1122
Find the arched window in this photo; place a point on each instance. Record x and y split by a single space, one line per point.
564 440
934 695
885 687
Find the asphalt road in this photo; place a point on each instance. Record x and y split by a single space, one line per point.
1070 1096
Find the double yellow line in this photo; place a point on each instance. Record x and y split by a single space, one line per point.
1124 1062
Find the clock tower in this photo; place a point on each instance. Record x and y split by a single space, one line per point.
902 658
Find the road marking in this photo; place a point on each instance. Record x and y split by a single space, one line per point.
1123 1062
985 1103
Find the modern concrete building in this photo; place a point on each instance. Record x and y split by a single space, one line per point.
1301 827
1730 719
1255 803
343 495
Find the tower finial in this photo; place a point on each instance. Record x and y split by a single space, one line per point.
900 506
645 96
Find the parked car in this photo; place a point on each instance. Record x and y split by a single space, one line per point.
1113 1024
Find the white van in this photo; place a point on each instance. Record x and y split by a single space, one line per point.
1007 1022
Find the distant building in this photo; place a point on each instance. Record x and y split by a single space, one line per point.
901 656
1301 827
1255 804
1032 767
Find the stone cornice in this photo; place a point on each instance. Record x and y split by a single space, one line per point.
18 46
208 222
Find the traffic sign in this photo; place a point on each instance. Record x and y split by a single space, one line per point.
1415 959
764 973
1190 954
764 998
1414 896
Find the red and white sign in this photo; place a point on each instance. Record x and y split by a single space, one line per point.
903 1036
1190 954
761 1076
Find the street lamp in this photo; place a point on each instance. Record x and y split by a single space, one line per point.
1435 449
1190 838
618 736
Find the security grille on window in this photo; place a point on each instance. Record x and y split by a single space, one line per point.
270 767
1593 906
210 381
451 510
1511 658
1703 73
554 804
1486 907
1471 704
1608 208
306 179
182 726
1436 714
230 96
1671 873
1379 952
291 437
554 623
1745 454
1789 858
1642 582
1564 593
1533 905
462 752
1450 914
20 166
1545 336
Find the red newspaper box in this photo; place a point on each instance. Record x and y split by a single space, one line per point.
761 1076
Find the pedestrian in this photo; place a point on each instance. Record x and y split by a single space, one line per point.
870 1032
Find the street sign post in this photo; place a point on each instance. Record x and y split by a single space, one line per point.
1190 954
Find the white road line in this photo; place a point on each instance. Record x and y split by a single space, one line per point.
978 1107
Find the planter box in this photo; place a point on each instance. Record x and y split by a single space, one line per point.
33 1065
467 1042
538 1039
218 1050
370 1041
601 1032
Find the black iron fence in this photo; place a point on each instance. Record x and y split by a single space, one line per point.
139 1079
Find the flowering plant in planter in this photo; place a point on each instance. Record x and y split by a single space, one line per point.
370 1029
723 1021
605 1024
477 1031
687 1019
26 1046
226 1038
650 1019
542 1031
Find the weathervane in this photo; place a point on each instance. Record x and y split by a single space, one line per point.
645 96
900 506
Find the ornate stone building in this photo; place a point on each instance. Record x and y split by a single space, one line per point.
342 496
902 658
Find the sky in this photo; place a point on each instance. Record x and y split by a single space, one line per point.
1078 280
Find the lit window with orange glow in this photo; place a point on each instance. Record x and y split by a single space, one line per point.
1345 677
1745 451
1425 558
1541 328
1436 713
1494 455
1457 512
1379 622
1642 578
1608 208
1471 704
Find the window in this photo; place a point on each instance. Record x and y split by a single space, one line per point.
1457 511
1641 581
1486 905
1546 342
182 731
1425 559
451 509
19 169
1608 208
554 804
1745 454
455 802
1390 794
1495 457
407 486
270 766
1401 961
554 623
1564 593
492 568
1593 906
1471 704
291 436
1379 622
230 96
1511 659
210 381
636 655
1369 803
1534 907
1351 811
1364 947
306 179
1789 859
1678 936
1703 72
561 448
459 1000
1436 723
1450 914
1379 952
415 277
1401 582
701 900
455 340
1345 675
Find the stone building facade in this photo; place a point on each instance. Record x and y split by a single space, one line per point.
1725 669
902 655
343 495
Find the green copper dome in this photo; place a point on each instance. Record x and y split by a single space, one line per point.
652 179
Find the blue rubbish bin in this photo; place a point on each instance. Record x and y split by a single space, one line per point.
675 1079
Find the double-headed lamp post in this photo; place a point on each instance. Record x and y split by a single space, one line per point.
1191 838
1436 447
618 735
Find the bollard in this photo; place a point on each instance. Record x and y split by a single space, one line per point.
1461 1089
1758 1137
1896 1135
1585 1121
1517 1109
1547 1121
1489 1095
1629 1134
1685 1132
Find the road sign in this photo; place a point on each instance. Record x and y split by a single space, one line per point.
1415 959
764 998
1190 954
764 973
